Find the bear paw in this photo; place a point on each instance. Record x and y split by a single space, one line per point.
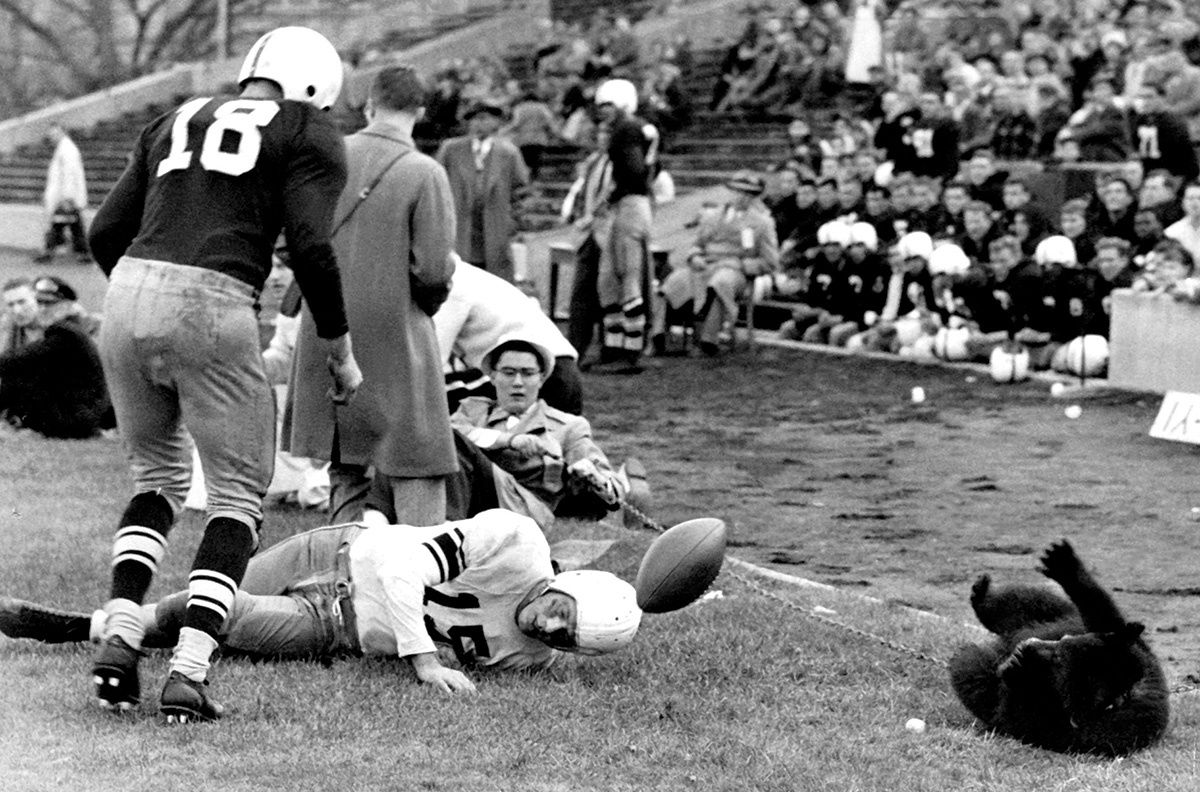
1059 562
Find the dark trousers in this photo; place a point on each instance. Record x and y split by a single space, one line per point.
585 313
60 224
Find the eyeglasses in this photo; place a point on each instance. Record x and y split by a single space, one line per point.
513 373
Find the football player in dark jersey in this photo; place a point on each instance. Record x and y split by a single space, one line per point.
185 238
623 282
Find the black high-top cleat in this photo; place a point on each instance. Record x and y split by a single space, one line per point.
21 619
115 675
185 701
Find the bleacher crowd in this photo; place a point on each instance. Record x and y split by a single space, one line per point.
999 174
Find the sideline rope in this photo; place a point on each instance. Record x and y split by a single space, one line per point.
811 614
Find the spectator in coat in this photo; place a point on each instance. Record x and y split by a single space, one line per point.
737 244
488 179
533 127
1100 128
395 254
20 320
55 384
65 197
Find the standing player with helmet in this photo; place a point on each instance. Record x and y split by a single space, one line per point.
624 277
487 583
186 238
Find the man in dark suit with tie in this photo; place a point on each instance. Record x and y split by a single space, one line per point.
488 177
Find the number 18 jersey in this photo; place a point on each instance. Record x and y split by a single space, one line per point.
213 183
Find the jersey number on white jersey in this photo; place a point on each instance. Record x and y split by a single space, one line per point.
468 641
241 117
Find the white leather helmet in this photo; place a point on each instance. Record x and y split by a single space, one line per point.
1009 363
916 244
948 259
1087 356
835 232
1055 250
620 93
606 610
864 234
950 343
300 61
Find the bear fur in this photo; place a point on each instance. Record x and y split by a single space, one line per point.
1067 674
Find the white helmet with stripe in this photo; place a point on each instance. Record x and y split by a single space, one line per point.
621 94
301 61
607 615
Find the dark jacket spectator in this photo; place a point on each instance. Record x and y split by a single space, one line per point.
1161 137
1100 128
55 385
1015 134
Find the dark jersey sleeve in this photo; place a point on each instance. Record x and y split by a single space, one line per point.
314 180
627 152
120 216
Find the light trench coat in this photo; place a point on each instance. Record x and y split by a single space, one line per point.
399 421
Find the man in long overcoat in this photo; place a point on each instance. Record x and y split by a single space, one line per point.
487 176
394 248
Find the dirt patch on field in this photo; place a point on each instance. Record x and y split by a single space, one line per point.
825 468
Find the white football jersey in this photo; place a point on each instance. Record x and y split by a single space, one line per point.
458 584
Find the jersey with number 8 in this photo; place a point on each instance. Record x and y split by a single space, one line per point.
213 183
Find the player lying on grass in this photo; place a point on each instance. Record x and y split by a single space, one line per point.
484 586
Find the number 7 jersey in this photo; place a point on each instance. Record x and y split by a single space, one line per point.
456 584
212 183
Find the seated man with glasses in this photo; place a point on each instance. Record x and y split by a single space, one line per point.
542 450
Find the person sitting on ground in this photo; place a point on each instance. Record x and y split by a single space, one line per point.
1009 295
824 277
546 452
909 302
484 587
55 385
865 285
20 320
733 247
481 309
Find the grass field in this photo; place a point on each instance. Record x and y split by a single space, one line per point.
824 469
745 691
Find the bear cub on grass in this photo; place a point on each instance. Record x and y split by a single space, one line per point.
1067 674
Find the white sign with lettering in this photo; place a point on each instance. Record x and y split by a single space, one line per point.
1178 418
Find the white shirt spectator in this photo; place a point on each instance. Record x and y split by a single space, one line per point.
482 308
65 180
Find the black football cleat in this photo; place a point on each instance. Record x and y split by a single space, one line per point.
21 619
184 701
115 675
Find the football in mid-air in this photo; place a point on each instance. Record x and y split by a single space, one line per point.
679 565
